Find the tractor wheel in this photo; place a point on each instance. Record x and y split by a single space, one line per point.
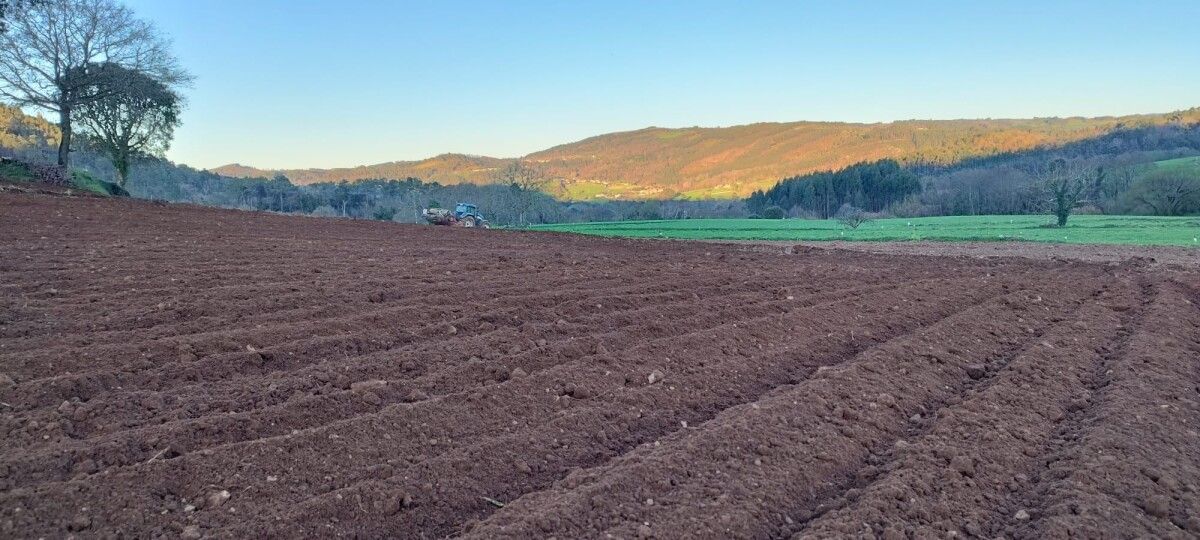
468 221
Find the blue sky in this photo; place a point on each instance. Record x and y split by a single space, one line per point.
295 83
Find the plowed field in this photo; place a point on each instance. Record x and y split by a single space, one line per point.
179 371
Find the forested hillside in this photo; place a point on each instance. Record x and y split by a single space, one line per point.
1133 170
19 131
732 162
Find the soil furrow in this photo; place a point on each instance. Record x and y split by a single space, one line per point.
752 454
971 449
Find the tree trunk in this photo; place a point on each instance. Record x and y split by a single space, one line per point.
122 166
64 144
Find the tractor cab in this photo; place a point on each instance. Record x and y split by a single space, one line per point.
462 210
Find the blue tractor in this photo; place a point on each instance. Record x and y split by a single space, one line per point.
464 215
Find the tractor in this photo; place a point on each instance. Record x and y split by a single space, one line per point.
464 215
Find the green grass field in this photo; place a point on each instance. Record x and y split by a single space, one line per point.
1089 229
1189 166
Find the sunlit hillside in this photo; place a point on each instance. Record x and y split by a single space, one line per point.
444 169
734 161
700 163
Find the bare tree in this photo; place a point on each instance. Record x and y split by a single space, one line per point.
50 49
1066 183
526 180
1168 193
136 117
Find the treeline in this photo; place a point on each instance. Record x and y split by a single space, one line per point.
387 199
870 186
1009 184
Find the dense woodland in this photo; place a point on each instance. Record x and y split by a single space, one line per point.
874 187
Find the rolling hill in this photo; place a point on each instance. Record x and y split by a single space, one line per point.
444 169
697 163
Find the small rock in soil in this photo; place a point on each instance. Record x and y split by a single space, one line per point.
976 371
518 373
6 381
655 376
1022 515
191 532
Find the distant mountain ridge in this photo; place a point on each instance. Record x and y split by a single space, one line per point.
733 161
445 169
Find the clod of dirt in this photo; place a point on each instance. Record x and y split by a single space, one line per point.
87 466
371 398
66 408
644 531
191 532
80 522
1077 405
1157 506
887 400
655 376
217 498
417 395
976 371
363 386
394 504
6 382
518 373
963 464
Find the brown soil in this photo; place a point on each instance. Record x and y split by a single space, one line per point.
1102 253
180 371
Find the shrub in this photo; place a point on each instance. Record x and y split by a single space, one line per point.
851 217
325 211
912 207
773 212
384 213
